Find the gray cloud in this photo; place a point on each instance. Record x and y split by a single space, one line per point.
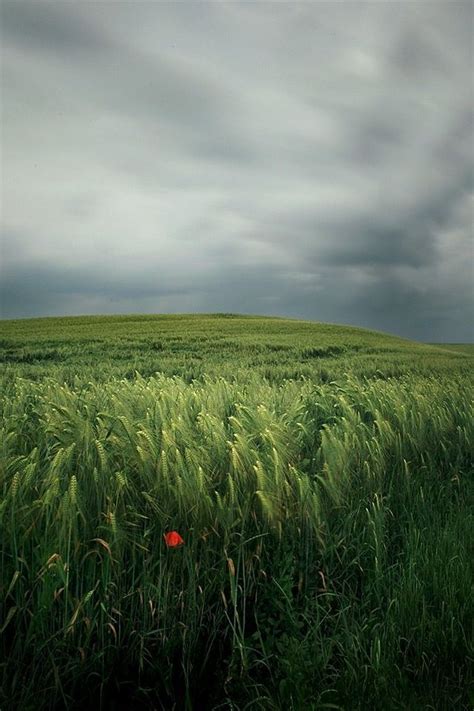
48 27
298 159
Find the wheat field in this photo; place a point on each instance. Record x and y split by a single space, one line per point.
321 478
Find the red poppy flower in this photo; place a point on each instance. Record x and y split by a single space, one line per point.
173 539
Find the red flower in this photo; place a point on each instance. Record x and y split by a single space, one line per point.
173 539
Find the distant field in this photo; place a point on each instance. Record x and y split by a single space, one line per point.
460 347
321 477
222 344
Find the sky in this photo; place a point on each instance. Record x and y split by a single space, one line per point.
311 160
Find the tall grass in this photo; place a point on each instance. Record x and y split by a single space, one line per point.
328 542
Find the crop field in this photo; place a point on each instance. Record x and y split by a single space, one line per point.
228 512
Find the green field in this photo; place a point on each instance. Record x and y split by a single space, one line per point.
321 477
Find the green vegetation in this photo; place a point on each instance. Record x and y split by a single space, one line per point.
76 350
322 480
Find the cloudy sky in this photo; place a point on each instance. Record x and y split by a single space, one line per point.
308 159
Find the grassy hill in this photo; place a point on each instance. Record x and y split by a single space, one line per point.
321 478
221 344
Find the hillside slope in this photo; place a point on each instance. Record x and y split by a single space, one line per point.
213 344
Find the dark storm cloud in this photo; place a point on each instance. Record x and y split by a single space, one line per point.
48 28
309 160
401 237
